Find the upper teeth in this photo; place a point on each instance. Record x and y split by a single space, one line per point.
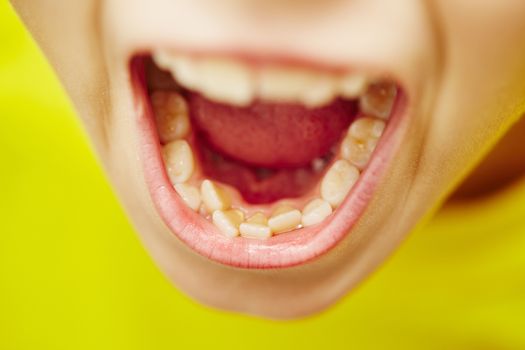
237 83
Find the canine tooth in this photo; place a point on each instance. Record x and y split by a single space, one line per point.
356 152
365 128
284 218
171 115
228 221
190 195
378 99
315 212
352 85
214 197
337 181
226 80
178 160
256 227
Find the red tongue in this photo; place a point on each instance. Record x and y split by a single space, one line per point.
271 135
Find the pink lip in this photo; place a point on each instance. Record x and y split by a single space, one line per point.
284 250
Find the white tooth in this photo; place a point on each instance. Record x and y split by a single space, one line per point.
378 99
320 93
256 227
182 68
315 212
337 181
178 160
162 59
365 128
258 218
171 115
228 221
352 85
371 144
284 218
294 84
214 197
357 152
190 195
226 81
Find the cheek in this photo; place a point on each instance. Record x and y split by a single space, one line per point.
481 91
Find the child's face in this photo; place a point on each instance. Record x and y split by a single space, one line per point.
459 71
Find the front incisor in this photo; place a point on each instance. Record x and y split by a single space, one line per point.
337 181
228 221
178 159
284 218
256 227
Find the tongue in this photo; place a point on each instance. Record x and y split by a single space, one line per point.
269 135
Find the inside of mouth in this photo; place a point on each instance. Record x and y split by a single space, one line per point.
264 167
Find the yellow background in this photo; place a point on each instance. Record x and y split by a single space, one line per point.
74 276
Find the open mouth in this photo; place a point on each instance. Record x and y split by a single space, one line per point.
262 164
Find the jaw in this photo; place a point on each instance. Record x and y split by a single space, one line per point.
360 246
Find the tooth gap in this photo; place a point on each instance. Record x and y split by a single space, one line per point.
233 82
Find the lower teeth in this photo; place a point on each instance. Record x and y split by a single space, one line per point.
214 200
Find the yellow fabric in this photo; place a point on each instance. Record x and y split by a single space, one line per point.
74 276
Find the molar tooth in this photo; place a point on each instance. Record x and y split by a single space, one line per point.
256 227
226 81
190 195
171 115
178 160
378 99
357 152
365 128
284 218
352 85
337 181
214 197
228 221
315 212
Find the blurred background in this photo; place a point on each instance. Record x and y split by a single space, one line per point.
73 274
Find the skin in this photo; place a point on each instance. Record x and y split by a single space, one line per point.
462 65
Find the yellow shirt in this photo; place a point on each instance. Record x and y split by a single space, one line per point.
73 274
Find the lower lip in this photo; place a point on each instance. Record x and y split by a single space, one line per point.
285 250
